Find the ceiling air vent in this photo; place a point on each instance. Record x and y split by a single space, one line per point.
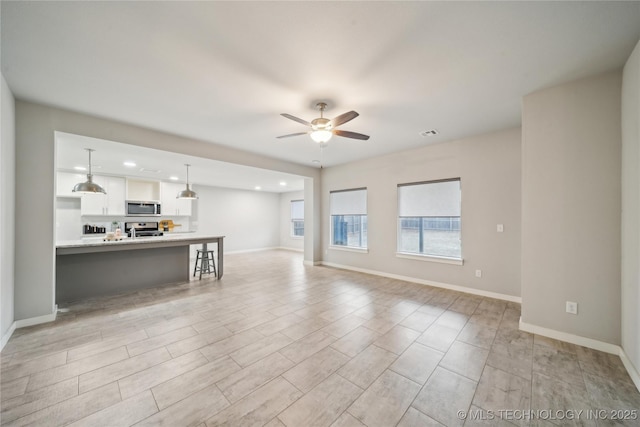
430 132
150 170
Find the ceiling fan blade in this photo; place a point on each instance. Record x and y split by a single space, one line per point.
296 119
344 118
292 134
347 134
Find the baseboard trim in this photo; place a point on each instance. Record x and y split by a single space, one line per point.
570 338
284 248
633 372
586 342
448 286
311 263
7 335
23 323
246 251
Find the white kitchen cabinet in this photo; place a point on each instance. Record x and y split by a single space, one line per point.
142 190
116 192
111 204
65 182
169 204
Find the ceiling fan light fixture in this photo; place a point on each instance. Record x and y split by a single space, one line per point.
321 136
88 187
323 129
187 193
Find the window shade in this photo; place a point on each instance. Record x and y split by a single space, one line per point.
349 202
297 209
437 199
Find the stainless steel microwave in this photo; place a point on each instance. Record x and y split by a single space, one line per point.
138 208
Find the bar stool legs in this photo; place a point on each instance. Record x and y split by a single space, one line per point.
207 263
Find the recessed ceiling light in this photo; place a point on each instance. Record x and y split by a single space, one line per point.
282 183
173 178
315 161
150 170
80 168
258 188
129 164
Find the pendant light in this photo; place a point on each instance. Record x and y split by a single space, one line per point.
89 186
187 193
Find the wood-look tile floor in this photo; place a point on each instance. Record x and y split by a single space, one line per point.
277 343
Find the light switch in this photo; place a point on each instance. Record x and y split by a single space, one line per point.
500 228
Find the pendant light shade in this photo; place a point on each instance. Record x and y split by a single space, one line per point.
88 187
187 193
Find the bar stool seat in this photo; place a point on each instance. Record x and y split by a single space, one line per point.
207 263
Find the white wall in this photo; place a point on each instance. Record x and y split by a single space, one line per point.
571 163
68 219
631 208
247 219
35 201
489 168
286 240
7 209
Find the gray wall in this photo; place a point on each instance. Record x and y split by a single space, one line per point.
35 127
7 210
247 219
489 168
312 221
571 207
286 241
631 208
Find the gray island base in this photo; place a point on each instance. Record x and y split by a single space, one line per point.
86 269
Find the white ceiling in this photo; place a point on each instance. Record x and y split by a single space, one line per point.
150 164
224 71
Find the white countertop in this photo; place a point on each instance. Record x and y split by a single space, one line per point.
167 238
99 239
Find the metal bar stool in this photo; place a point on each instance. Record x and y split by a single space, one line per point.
207 262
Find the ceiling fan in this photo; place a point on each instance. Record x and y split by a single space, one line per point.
322 129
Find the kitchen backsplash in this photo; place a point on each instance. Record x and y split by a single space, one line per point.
71 226
92 227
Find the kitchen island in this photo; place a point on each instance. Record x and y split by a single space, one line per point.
92 267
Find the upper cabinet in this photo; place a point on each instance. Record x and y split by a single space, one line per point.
118 189
65 183
169 204
143 191
110 204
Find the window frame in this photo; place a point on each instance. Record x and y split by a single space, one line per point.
293 220
426 256
363 223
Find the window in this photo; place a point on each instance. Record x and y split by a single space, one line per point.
297 218
349 218
429 218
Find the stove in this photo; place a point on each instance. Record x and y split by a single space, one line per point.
143 229
147 233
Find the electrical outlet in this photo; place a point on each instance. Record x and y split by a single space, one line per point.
478 273
500 228
572 307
